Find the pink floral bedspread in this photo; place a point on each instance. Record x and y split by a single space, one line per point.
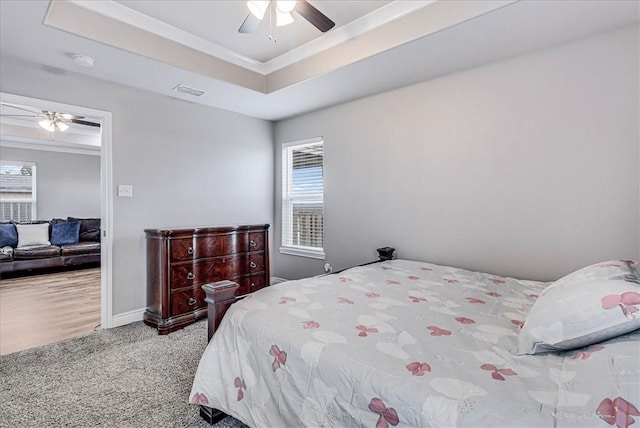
405 343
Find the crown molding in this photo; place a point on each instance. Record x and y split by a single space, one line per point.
393 25
356 28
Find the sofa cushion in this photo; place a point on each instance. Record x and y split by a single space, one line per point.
65 232
8 235
33 234
36 252
89 228
56 221
82 247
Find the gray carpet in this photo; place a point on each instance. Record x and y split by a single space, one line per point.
122 377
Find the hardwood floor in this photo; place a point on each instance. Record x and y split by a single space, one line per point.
40 309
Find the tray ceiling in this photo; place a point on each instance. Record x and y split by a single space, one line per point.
375 46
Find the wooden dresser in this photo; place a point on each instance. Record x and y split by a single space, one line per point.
180 261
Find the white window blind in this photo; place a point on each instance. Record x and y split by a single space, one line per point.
303 198
17 191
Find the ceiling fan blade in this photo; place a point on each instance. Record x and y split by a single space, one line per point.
83 122
314 16
23 109
19 115
250 24
68 116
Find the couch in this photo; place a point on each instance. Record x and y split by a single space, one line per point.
49 244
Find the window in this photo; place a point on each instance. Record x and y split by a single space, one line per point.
303 198
17 191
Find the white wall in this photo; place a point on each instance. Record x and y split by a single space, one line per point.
188 164
525 167
66 184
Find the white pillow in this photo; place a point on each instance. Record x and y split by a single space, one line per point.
33 234
590 305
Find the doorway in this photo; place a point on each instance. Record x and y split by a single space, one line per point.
106 186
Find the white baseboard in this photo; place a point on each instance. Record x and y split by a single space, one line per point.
127 317
136 315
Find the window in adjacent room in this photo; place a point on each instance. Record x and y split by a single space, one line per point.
17 191
303 198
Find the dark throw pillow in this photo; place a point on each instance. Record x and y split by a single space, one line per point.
65 233
89 228
8 235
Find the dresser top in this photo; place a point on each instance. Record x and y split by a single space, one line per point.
204 230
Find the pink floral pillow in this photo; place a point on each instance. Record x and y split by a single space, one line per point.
590 305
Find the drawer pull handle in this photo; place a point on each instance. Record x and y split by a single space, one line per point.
224 260
190 250
252 243
252 265
190 275
192 301
253 284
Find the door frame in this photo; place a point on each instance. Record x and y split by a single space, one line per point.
106 192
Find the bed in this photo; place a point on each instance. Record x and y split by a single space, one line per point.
407 343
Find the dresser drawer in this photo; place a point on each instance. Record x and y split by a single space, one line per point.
256 241
249 284
186 301
207 270
255 263
208 246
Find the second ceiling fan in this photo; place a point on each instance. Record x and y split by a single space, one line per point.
50 120
282 10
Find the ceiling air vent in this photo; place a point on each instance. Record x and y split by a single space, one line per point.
187 90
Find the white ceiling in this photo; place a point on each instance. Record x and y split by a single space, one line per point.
375 46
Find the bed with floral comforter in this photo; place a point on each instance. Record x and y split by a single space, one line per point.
404 343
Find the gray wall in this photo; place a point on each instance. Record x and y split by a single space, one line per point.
526 167
67 184
188 164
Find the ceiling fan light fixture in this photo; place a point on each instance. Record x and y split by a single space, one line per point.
258 7
61 125
52 122
283 18
47 124
285 6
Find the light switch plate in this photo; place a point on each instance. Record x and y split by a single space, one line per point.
125 190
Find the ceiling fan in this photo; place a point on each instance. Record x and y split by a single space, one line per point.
51 120
282 10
